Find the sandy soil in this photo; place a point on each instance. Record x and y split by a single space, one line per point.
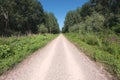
59 60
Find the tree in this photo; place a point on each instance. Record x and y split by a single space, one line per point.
72 17
86 10
107 11
74 28
6 8
69 20
42 29
20 16
94 22
51 23
29 15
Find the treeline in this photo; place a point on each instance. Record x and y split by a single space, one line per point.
95 28
25 16
95 15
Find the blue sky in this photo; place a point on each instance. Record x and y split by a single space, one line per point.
60 7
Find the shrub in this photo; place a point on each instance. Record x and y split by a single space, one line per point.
95 47
15 49
42 29
4 51
74 28
94 22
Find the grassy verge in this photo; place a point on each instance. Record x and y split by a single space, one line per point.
107 52
15 49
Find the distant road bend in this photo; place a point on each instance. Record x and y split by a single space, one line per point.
59 60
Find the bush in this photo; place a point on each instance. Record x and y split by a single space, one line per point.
116 29
95 47
74 28
42 29
94 22
4 51
91 39
14 49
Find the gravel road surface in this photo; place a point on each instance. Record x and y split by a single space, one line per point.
59 60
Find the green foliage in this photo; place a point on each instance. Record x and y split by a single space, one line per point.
4 51
51 23
20 16
116 29
96 27
74 28
99 48
14 49
86 10
23 17
91 39
42 29
72 17
94 22
96 15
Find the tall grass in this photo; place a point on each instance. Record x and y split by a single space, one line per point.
15 49
104 48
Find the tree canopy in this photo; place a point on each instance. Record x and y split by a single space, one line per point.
22 17
98 14
51 23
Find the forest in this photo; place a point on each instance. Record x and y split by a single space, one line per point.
95 15
95 29
24 28
20 17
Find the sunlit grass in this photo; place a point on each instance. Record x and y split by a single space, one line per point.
14 49
100 48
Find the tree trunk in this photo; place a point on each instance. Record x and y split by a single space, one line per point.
5 14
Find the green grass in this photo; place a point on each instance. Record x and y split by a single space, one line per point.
14 49
100 48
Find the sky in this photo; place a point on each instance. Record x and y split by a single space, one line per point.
60 8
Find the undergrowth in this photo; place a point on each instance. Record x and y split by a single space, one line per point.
100 47
14 49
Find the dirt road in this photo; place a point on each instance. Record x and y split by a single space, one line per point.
59 60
